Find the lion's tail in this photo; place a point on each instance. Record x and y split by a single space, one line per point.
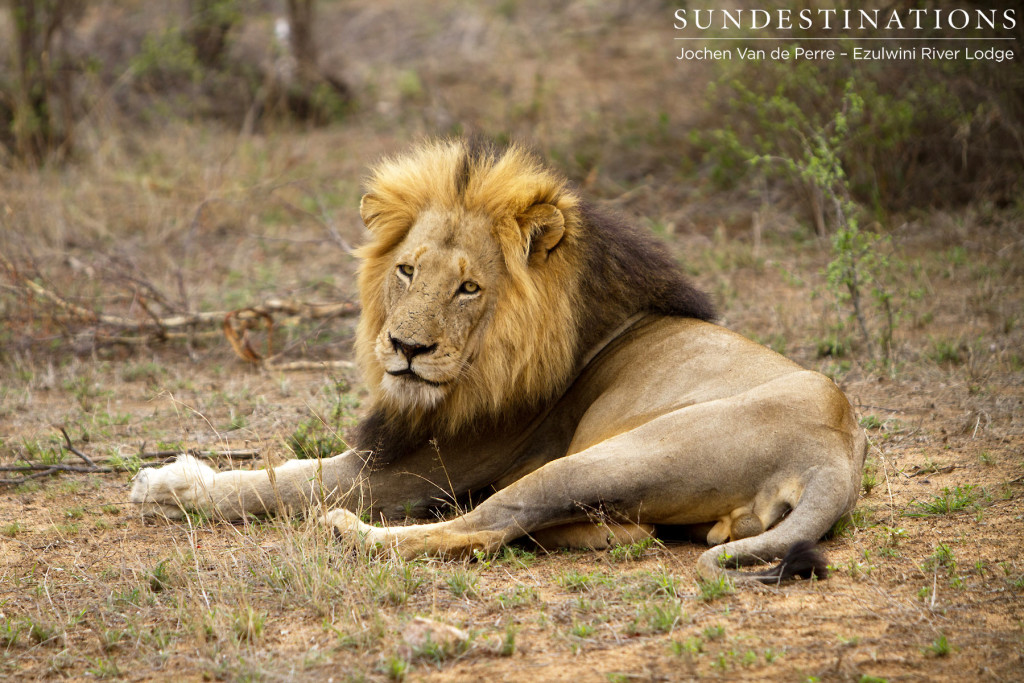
803 559
793 539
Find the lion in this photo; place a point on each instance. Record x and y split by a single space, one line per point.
526 351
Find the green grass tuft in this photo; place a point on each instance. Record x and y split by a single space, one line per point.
961 497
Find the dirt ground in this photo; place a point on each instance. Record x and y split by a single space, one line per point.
927 575
77 562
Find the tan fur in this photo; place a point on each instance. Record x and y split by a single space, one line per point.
590 535
493 366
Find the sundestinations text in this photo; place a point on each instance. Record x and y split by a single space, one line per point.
846 19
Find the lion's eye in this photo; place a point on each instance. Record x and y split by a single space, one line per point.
469 288
406 270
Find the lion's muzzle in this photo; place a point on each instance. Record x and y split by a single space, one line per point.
410 349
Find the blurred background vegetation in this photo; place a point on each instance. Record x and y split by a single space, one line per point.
130 121
929 133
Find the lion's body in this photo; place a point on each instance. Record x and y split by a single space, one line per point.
520 343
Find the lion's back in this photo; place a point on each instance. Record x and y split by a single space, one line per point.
665 364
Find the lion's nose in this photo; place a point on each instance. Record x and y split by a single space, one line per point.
410 349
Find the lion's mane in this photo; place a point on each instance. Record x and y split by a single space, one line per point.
549 316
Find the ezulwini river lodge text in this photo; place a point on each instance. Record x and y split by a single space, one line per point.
924 52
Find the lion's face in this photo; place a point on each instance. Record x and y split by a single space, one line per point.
468 284
438 298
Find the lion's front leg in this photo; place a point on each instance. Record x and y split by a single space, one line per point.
188 484
185 484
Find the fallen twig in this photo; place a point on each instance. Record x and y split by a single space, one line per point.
144 324
39 471
239 454
238 333
238 323
150 338
933 470
55 467
27 477
32 471
158 325
80 454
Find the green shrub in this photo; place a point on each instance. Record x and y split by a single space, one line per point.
924 136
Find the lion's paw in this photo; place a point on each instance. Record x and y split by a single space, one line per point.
168 491
345 524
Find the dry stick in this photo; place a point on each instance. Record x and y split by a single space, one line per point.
144 305
80 454
160 325
240 342
154 336
924 471
39 471
240 454
27 477
296 308
888 486
237 334
36 471
56 467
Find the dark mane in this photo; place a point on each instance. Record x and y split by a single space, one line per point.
386 437
630 271
478 150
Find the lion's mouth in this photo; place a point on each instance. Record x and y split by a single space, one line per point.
410 374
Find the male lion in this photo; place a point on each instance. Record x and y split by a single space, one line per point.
523 346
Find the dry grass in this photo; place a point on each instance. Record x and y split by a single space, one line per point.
929 573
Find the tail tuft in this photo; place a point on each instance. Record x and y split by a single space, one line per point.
803 559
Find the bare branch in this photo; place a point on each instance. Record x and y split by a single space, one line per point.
53 468
80 454
239 454
145 325
161 326
27 477
32 471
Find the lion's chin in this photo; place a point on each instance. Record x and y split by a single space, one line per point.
412 393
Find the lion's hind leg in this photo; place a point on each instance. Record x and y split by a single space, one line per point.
555 504
459 538
793 539
740 523
591 535
453 539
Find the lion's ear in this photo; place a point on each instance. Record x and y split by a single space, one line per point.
544 226
370 206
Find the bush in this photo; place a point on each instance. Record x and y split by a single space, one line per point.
37 112
929 133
